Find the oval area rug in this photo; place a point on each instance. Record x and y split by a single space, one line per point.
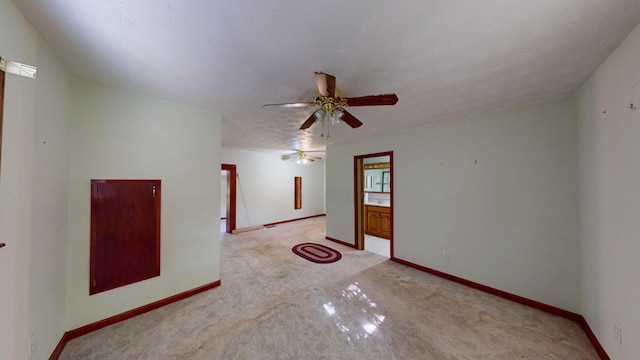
317 253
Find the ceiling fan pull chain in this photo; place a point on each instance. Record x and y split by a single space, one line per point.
328 135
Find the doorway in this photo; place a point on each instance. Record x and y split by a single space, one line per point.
374 202
230 213
1 117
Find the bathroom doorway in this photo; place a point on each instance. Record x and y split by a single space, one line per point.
374 202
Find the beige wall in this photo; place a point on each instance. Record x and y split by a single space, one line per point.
47 264
119 134
510 221
265 187
33 193
51 151
609 163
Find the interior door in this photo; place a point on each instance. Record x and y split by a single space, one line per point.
125 232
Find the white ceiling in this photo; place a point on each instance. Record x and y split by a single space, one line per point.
443 58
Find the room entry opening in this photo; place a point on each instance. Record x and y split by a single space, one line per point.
374 202
230 213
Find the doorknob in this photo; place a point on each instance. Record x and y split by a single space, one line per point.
2 245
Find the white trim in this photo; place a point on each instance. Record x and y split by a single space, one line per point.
17 68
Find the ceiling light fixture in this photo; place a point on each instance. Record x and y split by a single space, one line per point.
330 112
301 157
331 109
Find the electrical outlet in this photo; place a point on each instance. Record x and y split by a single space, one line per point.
445 255
33 343
617 334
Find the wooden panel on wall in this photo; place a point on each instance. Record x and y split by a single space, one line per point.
298 192
125 232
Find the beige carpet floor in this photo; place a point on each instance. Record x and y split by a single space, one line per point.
273 304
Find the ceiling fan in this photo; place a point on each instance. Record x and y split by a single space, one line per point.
332 106
301 157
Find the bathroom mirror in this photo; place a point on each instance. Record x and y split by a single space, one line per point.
377 177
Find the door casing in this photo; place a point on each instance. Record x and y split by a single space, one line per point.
231 196
358 176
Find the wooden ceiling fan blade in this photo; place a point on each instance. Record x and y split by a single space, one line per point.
331 85
351 120
309 122
292 105
326 84
289 156
372 100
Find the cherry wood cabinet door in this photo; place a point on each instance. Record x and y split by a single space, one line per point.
378 221
385 224
373 220
125 233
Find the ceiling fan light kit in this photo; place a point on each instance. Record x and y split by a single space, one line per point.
334 114
331 107
300 157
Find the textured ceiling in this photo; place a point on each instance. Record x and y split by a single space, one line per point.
443 58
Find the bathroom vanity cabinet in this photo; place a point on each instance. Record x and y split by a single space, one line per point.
377 221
